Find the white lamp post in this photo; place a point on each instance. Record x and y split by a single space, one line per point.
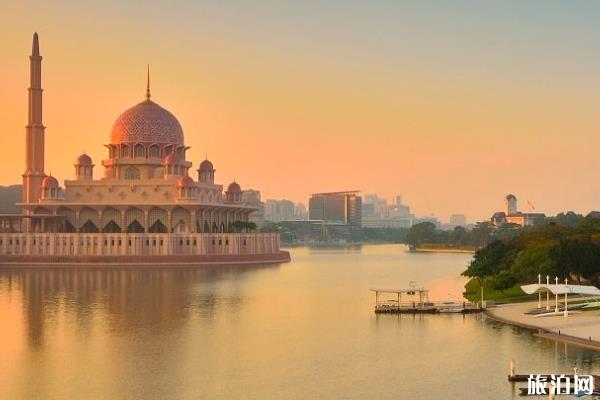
556 295
547 292
566 311
539 293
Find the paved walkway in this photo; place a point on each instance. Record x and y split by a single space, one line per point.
582 328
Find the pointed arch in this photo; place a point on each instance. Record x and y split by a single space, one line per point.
89 217
111 220
135 227
157 220
134 220
88 227
180 218
111 227
69 219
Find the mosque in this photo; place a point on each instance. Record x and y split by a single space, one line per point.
145 208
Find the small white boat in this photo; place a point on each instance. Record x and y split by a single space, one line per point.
450 307
554 314
591 305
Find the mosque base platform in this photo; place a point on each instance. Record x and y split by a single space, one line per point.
66 261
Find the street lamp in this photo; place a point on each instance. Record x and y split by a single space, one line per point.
566 289
539 293
556 295
547 292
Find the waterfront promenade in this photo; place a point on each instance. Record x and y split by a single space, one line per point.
581 328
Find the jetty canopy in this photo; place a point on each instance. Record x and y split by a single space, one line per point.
561 289
401 291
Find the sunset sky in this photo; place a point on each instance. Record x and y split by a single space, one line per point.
452 104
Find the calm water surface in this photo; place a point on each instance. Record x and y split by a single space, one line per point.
303 330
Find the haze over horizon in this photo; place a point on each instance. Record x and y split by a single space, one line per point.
452 105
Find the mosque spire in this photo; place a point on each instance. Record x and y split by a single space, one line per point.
148 83
34 132
35 50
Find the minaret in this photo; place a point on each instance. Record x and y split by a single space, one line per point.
34 132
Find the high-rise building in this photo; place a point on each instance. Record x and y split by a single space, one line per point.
378 213
344 207
252 197
458 220
300 212
279 210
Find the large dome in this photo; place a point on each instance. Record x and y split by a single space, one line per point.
147 122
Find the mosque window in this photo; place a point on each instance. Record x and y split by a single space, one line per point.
139 150
126 151
132 173
154 151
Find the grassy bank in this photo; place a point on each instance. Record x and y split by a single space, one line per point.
473 292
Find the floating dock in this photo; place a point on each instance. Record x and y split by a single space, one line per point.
418 303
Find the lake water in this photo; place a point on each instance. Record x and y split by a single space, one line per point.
303 330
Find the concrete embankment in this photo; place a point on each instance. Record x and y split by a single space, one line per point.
24 261
581 329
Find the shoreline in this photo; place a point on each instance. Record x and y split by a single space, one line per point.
148 261
442 250
577 329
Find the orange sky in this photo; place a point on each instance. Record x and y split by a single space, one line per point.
451 109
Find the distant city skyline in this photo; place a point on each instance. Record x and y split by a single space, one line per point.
452 109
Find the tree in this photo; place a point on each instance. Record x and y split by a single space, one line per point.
534 260
481 234
490 260
419 234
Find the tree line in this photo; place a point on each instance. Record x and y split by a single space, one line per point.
565 246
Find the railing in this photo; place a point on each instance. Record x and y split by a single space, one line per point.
392 304
113 244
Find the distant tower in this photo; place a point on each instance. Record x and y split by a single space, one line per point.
510 204
34 132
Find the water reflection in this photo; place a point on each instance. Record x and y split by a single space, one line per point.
157 300
295 331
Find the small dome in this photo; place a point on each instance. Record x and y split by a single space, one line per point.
234 187
172 158
511 197
84 159
147 122
206 166
49 182
185 181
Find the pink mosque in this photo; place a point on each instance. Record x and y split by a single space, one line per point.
145 209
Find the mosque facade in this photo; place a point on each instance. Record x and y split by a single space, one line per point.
149 204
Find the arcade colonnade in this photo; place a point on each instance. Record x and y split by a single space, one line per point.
139 219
